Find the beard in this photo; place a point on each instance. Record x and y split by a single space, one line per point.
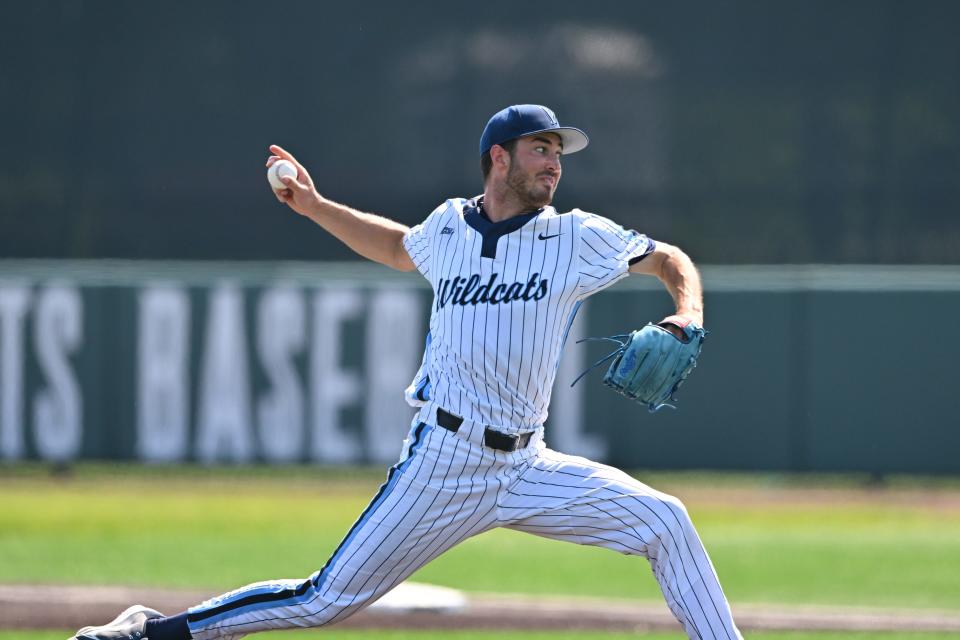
530 192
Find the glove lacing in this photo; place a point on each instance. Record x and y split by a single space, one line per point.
620 339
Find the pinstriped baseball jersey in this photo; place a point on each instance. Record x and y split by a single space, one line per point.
505 295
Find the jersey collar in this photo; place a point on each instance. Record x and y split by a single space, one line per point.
476 217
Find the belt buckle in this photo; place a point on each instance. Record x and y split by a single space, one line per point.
504 441
492 438
524 439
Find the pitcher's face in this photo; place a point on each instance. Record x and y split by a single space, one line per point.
535 169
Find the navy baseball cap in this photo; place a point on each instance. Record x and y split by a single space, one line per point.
526 119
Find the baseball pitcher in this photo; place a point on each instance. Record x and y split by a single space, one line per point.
508 273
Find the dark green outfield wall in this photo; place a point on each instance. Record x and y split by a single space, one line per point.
744 131
810 380
805 368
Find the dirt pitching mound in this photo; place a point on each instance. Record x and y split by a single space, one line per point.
413 606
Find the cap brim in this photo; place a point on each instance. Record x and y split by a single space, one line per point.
573 139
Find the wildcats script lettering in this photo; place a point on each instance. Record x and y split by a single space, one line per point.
464 291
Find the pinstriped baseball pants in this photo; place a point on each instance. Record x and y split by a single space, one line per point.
446 488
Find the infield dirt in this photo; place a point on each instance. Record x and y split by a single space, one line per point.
64 607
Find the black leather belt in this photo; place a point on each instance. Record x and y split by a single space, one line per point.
491 437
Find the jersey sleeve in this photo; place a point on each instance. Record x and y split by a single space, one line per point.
418 240
606 252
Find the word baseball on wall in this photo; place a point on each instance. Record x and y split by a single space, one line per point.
206 362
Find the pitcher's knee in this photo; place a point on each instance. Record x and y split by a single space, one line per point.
679 513
676 506
324 611
317 606
328 603
668 519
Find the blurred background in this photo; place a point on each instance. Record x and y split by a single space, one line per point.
157 304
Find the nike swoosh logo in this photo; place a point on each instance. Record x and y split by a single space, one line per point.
543 237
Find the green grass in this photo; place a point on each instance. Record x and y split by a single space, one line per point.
333 634
219 530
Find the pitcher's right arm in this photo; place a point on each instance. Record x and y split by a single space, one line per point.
373 237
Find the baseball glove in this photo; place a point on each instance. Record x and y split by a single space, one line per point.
652 363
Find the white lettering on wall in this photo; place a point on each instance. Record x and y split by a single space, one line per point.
281 336
394 349
224 429
163 376
14 301
58 333
332 387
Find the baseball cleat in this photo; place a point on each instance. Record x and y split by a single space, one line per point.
129 625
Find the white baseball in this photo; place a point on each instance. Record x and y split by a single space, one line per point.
279 169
